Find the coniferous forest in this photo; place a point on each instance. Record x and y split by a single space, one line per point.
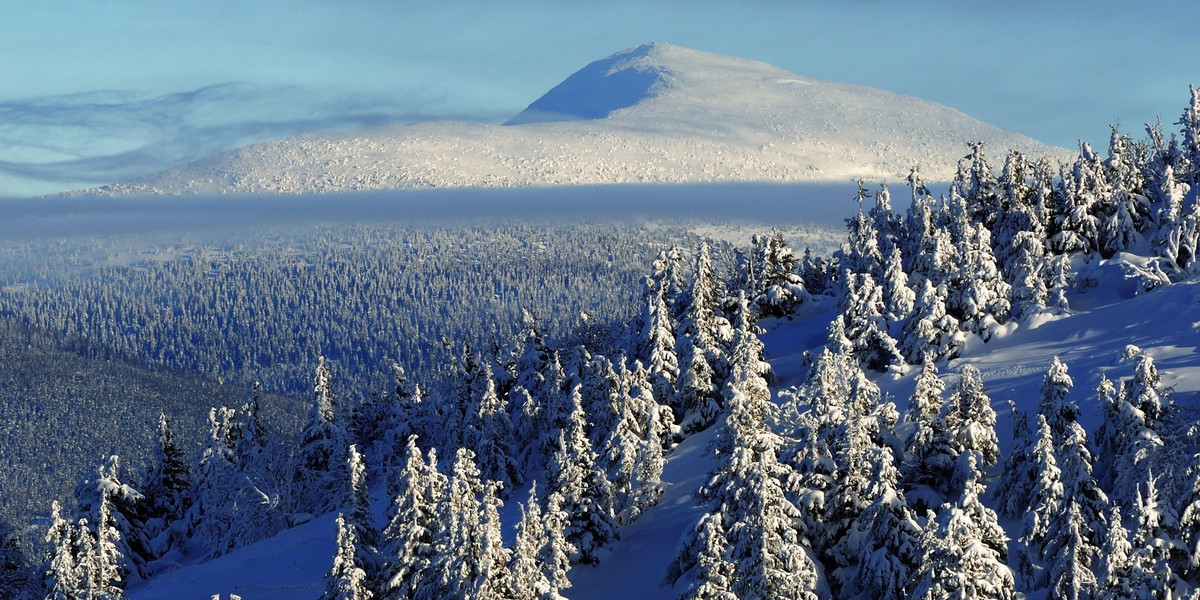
425 363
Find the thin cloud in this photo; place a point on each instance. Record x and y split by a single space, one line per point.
101 137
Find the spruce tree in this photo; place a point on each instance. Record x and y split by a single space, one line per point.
888 551
455 565
212 516
412 517
495 441
493 581
583 487
123 505
1020 473
321 454
345 579
555 552
959 557
1045 499
64 576
166 488
356 505
527 581
714 576
1114 575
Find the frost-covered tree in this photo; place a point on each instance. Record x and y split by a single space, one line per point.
212 515
1055 404
345 579
714 574
745 492
1114 572
769 559
583 487
493 582
930 330
957 560
111 508
1189 517
1020 473
860 253
658 346
455 565
1128 207
321 454
356 505
647 473
555 552
889 544
63 576
1044 500
778 286
101 555
863 310
1136 440
407 547
526 579
923 408
965 425
982 299
899 299
699 348
166 487
1027 270
494 444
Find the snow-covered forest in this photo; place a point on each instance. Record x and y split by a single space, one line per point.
821 481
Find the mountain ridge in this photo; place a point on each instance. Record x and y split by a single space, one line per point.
656 113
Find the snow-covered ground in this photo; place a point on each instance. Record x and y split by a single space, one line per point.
1162 323
656 113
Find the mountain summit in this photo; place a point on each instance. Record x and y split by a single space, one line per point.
656 113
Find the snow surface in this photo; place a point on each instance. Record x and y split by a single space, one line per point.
656 113
1164 323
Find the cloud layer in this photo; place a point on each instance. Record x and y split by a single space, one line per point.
59 142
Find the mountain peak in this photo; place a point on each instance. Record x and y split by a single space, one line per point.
601 88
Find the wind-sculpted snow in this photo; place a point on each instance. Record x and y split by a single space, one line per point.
653 114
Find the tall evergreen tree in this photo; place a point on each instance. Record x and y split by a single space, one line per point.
412 517
346 580
359 518
64 577
112 510
321 454
493 581
1045 499
583 487
527 581
554 555
455 565
959 558
715 575
1020 473
167 485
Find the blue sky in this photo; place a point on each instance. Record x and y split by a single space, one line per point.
97 91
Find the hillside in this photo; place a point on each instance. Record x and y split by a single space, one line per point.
1090 342
65 407
656 113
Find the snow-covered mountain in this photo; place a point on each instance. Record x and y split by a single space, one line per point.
656 113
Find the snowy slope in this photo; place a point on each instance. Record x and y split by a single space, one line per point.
1091 341
655 113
